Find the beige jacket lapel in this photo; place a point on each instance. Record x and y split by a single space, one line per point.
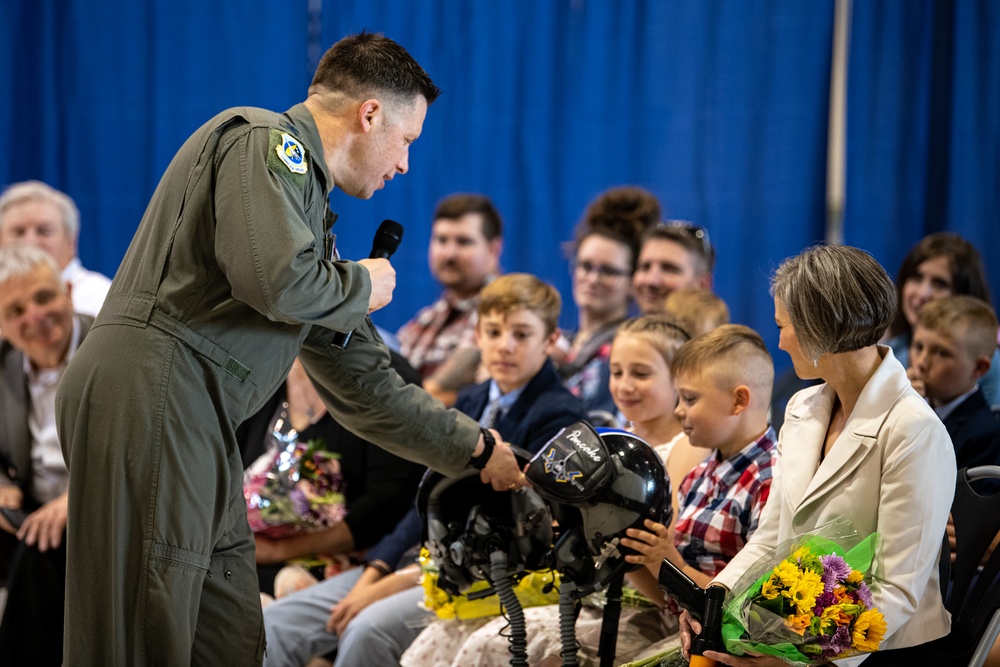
860 433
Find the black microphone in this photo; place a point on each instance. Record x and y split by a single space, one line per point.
386 241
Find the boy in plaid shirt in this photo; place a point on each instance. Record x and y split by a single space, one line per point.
724 381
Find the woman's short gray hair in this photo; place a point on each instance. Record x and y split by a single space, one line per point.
838 298
21 259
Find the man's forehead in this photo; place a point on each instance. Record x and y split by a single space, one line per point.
41 276
470 224
32 210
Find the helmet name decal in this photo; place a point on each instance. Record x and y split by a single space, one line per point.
558 469
592 452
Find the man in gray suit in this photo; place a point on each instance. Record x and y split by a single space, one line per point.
41 334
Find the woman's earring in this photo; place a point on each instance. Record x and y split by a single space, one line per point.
815 362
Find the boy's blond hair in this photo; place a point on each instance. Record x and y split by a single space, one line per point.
700 310
946 316
515 291
735 354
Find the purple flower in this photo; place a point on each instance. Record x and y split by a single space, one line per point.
865 595
835 569
836 643
825 600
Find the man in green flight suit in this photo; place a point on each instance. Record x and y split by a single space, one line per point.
226 281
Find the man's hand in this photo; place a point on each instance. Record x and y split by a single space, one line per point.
371 587
383 278
11 497
501 469
44 527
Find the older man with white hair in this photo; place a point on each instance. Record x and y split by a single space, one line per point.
41 335
38 214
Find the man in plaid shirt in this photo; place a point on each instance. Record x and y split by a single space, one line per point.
464 255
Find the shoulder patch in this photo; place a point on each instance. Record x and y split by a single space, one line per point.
291 152
287 157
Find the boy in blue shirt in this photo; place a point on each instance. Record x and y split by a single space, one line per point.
370 615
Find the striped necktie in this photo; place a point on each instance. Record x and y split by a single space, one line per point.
491 414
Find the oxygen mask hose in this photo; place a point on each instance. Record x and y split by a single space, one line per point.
512 606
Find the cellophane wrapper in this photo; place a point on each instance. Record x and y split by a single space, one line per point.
295 487
809 600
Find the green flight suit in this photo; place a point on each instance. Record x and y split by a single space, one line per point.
225 280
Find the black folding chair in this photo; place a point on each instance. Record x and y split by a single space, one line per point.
974 593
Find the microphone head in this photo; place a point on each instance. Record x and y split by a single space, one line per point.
387 238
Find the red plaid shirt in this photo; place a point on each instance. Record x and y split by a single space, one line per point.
720 504
437 330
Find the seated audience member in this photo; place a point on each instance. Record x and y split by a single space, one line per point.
699 310
953 343
379 486
376 610
604 256
35 213
862 446
41 335
941 264
464 255
674 254
730 373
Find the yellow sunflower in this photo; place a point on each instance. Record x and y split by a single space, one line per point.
869 628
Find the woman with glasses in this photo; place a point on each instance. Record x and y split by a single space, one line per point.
604 256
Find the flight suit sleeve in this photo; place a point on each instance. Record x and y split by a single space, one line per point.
269 239
368 397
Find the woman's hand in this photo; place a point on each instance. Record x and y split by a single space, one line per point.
690 628
745 660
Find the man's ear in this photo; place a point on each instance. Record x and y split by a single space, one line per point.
741 398
370 114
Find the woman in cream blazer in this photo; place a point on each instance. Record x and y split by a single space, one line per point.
864 446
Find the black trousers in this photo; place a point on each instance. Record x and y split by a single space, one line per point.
31 632
931 654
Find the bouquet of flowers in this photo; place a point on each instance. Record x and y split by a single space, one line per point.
295 486
808 603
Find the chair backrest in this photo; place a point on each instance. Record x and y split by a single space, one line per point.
975 590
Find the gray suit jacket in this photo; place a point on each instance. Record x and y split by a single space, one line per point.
15 439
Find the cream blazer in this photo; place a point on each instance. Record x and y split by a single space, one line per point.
891 470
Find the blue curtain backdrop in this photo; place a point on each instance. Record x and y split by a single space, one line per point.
719 108
923 127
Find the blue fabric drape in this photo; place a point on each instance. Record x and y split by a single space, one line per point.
923 127
719 108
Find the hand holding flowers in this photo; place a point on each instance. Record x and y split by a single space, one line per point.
294 488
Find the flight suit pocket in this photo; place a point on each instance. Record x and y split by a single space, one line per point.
173 593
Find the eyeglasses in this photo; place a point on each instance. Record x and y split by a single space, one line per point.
603 271
691 231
